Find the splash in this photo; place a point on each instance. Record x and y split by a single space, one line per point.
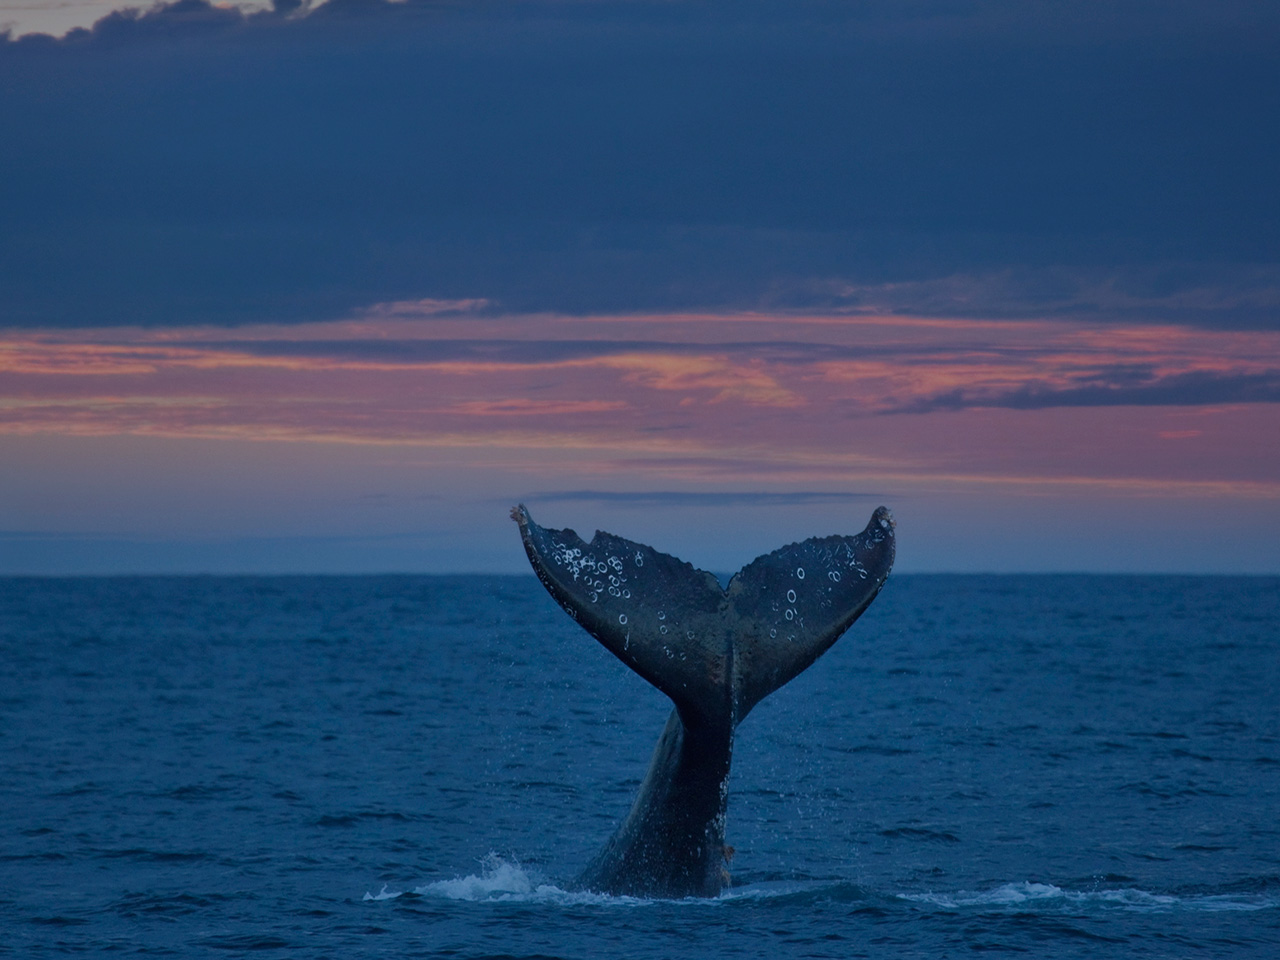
499 879
503 880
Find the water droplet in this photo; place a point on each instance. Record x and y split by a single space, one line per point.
791 596
791 614
799 573
835 576
661 615
622 618
773 633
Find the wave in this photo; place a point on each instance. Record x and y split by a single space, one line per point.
503 880
508 881
1036 896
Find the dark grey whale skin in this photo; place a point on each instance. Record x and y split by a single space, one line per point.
716 653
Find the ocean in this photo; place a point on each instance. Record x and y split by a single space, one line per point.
411 766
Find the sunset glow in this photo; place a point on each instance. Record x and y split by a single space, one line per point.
839 405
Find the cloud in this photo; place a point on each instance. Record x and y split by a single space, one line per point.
198 164
1117 388
522 406
700 498
636 373
427 307
1240 296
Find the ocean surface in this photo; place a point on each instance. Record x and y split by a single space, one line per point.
1064 766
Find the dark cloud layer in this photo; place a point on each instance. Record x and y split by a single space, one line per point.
195 164
1118 388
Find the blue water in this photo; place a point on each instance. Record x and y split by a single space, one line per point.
413 766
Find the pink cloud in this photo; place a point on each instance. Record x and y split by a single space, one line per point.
786 399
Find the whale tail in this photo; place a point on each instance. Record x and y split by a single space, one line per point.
715 652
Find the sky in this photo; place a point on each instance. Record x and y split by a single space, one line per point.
327 289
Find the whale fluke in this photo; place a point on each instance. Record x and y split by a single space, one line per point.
716 653
791 605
